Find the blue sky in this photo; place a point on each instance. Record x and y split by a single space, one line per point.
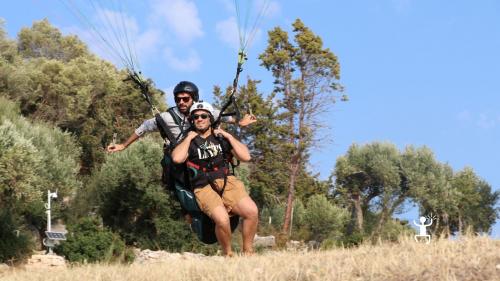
417 72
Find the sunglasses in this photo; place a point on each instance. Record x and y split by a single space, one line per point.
184 99
202 116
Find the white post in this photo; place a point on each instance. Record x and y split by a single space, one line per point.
49 225
50 195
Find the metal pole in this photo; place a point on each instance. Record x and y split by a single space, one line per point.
49 225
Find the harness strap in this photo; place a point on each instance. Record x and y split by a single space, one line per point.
211 180
177 120
214 186
198 167
164 131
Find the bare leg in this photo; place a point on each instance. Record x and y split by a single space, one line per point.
247 209
222 229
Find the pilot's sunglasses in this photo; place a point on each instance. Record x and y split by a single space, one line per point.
202 116
184 99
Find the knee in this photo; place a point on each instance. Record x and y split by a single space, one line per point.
220 217
254 213
251 213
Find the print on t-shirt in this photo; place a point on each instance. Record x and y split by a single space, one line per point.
208 150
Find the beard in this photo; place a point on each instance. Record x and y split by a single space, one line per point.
202 130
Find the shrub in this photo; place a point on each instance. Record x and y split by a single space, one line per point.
351 240
14 244
88 241
33 158
133 203
324 220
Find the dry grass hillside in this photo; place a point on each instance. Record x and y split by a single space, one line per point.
474 258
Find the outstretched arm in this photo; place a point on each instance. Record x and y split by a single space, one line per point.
239 149
122 146
147 126
429 223
247 120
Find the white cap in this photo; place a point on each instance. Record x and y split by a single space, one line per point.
201 105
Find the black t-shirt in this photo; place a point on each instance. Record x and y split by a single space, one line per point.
207 159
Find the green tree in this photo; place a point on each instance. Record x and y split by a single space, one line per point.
374 181
44 40
33 159
431 187
475 203
8 50
306 76
127 190
59 83
361 176
379 178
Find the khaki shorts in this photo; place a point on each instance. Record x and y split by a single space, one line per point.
208 199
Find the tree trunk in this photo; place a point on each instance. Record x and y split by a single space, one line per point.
295 136
381 222
387 212
434 228
446 225
460 224
357 212
294 168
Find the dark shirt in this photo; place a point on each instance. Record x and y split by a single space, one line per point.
207 160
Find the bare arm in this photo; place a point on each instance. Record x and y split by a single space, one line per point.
180 152
122 146
247 120
147 126
240 151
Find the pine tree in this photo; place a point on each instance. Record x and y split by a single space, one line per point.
306 76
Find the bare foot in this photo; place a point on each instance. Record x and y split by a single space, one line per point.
248 253
229 255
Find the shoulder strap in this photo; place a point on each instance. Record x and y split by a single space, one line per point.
164 131
199 141
226 152
176 117
178 122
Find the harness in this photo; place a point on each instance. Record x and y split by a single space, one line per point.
178 121
212 168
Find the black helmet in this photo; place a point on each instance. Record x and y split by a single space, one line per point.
187 87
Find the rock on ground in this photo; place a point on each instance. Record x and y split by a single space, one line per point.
45 262
148 256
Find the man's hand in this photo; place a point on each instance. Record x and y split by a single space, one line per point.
239 149
115 148
220 131
191 135
181 151
247 120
